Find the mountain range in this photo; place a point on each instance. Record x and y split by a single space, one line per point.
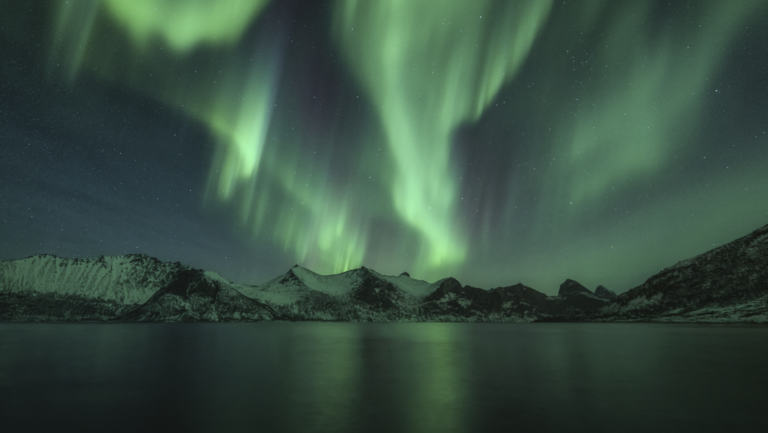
726 284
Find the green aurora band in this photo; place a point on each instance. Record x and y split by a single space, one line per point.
427 69
626 133
186 24
626 130
235 100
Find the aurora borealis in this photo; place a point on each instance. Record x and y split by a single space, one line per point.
489 140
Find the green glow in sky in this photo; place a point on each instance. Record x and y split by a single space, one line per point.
323 226
582 119
311 220
630 126
637 118
185 24
239 116
428 67
74 24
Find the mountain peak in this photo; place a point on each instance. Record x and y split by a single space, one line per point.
571 287
447 286
602 292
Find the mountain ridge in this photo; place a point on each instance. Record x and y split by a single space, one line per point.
725 284
728 283
138 287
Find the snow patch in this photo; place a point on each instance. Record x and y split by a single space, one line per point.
642 302
464 302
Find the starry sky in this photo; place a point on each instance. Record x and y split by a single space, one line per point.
489 140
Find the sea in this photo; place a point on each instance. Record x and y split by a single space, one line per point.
381 377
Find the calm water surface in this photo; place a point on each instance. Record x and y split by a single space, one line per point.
424 377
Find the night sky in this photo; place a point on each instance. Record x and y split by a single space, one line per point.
493 141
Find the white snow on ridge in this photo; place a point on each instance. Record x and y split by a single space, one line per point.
214 276
279 291
111 278
334 285
298 282
413 287
133 279
341 284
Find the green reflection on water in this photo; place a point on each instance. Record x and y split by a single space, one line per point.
336 371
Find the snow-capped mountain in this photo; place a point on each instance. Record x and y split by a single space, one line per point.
140 288
193 295
126 280
298 281
46 287
366 295
358 295
729 283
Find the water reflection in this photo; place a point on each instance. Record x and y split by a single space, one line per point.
436 386
342 377
323 377
362 377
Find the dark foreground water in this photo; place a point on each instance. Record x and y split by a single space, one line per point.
342 377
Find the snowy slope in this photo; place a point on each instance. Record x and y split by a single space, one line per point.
412 286
299 282
197 296
130 279
346 282
283 290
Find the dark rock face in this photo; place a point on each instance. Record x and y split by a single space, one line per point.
519 294
376 293
191 297
54 307
449 286
499 304
522 300
577 298
405 274
604 293
728 283
570 287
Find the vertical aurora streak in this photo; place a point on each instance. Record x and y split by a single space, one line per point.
236 101
429 67
240 117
